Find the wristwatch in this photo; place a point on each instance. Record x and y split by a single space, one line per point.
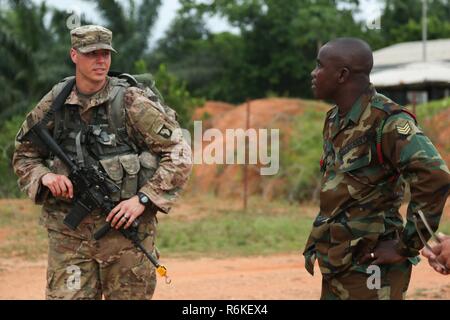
143 199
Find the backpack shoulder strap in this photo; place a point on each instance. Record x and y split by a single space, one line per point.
117 111
60 93
58 88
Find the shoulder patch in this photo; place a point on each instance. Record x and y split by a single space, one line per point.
404 129
165 132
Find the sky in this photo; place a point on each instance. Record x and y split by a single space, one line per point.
370 9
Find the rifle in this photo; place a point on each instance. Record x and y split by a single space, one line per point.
92 187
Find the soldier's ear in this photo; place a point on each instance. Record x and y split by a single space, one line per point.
344 73
73 55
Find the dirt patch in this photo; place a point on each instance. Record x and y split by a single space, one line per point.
277 277
22 205
226 180
4 233
210 112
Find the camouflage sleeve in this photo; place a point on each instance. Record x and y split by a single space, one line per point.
28 163
411 151
153 130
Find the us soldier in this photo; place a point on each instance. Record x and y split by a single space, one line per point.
371 145
116 127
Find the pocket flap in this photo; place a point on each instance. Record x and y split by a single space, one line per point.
113 168
355 160
130 163
148 160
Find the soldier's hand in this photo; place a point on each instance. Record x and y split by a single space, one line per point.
432 258
444 255
384 253
429 254
59 185
125 213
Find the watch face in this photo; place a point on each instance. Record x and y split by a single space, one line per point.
144 199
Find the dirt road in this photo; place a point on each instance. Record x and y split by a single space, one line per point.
277 277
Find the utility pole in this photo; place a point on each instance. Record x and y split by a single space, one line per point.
247 157
424 29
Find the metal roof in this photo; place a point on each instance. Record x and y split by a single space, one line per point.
413 73
409 52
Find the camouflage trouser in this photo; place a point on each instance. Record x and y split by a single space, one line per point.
356 285
87 269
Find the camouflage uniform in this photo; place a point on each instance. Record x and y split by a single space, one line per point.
361 195
80 267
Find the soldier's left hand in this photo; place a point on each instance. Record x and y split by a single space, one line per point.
125 213
384 253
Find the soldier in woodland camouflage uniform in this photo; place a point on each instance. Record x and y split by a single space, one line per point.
118 128
371 147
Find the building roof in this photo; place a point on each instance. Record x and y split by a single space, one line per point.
413 73
409 52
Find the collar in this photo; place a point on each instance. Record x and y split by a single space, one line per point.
359 106
96 99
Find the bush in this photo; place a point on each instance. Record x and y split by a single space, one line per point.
9 187
300 162
177 96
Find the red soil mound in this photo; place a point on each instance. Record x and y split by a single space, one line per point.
226 180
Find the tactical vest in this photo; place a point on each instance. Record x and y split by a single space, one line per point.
104 142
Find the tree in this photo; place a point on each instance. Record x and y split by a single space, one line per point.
29 49
401 21
131 28
273 54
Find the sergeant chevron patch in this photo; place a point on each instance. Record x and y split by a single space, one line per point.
405 129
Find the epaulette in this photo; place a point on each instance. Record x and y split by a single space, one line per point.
385 104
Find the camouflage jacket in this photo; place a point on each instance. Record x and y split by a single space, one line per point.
143 126
360 197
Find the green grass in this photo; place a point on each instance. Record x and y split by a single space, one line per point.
267 228
23 237
428 110
235 233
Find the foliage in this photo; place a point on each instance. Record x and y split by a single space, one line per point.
8 187
28 49
401 21
428 110
131 27
300 160
176 96
274 52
